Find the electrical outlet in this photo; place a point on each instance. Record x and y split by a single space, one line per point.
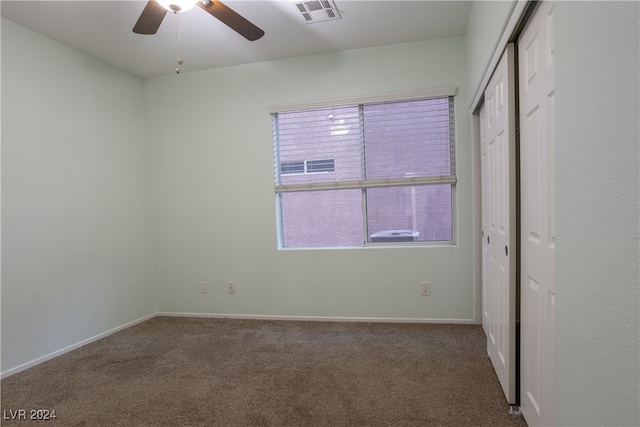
231 287
204 287
426 289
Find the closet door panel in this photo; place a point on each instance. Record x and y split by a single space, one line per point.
499 210
537 93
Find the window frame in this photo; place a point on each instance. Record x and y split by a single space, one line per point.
363 185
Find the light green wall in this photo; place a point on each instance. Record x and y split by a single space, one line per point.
76 258
210 155
487 21
597 202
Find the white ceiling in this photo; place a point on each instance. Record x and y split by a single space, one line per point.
103 29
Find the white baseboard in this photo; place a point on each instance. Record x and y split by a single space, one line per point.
67 349
317 318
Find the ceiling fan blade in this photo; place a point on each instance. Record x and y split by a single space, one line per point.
150 19
232 19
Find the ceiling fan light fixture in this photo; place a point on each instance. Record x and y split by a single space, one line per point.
177 5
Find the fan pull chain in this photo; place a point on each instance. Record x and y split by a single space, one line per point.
179 45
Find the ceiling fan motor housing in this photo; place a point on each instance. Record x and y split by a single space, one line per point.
177 5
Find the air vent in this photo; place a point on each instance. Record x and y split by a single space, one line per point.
317 10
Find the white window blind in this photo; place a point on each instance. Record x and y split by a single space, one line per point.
390 143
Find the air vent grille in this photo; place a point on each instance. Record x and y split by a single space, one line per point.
317 10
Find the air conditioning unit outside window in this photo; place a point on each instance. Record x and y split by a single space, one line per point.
394 236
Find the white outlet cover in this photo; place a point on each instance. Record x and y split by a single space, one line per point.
426 289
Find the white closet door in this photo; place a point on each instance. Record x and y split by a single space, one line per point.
499 226
536 57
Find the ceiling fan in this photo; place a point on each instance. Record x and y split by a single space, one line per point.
155 11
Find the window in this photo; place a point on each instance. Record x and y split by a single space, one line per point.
319 166
307 166
381 173
289 168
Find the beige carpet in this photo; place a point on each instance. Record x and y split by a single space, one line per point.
218 372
